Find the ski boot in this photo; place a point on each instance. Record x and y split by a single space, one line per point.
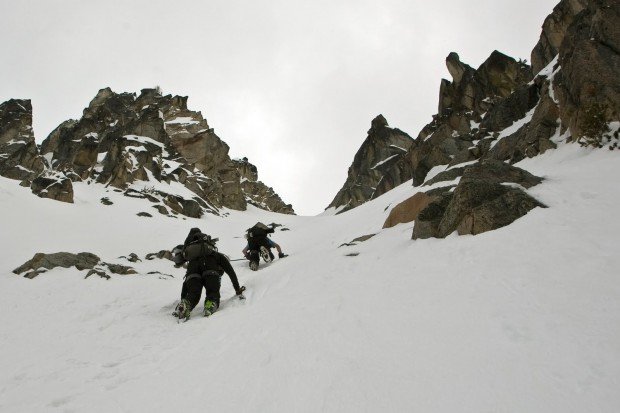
182 310
254 265
266 254
210 307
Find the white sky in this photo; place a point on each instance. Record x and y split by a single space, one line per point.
292 85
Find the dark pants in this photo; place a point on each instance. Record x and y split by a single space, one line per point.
192 287
254 256
254 245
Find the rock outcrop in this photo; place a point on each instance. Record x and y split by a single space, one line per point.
408 210
375 168
473 97
125 142
499 114
52 185
43 262
256 192
553 31
488 196
19 155
587 84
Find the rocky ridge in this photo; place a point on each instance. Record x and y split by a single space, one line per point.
123 139
494 116
374 170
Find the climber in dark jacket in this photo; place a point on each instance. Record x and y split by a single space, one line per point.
203 270
257 237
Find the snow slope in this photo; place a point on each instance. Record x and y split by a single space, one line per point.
522 319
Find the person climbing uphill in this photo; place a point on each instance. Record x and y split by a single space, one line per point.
259 245
205 266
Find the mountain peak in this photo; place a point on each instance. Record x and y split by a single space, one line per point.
128 142
378 123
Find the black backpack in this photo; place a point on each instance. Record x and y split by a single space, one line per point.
259 230
205 245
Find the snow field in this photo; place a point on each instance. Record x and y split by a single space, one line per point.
523 318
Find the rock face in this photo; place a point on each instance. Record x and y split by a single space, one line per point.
19 155
375 168
256 192
589 62
499 114
553 31
123 141
471 98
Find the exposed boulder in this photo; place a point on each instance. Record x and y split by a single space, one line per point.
375 168
480 206
488 196
96 271
163 254
104 270
19 156
408 210
41 263
132 257
120 269
81 261
53 186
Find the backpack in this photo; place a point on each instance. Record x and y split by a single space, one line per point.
205 245
259 230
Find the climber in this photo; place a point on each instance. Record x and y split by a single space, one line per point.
205 266
259 244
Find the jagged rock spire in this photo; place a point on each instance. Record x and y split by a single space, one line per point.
374 170
19 156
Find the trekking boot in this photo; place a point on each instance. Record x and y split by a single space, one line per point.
254 265
266 254
182 309
210 307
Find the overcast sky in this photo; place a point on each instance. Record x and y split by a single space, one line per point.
292 85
